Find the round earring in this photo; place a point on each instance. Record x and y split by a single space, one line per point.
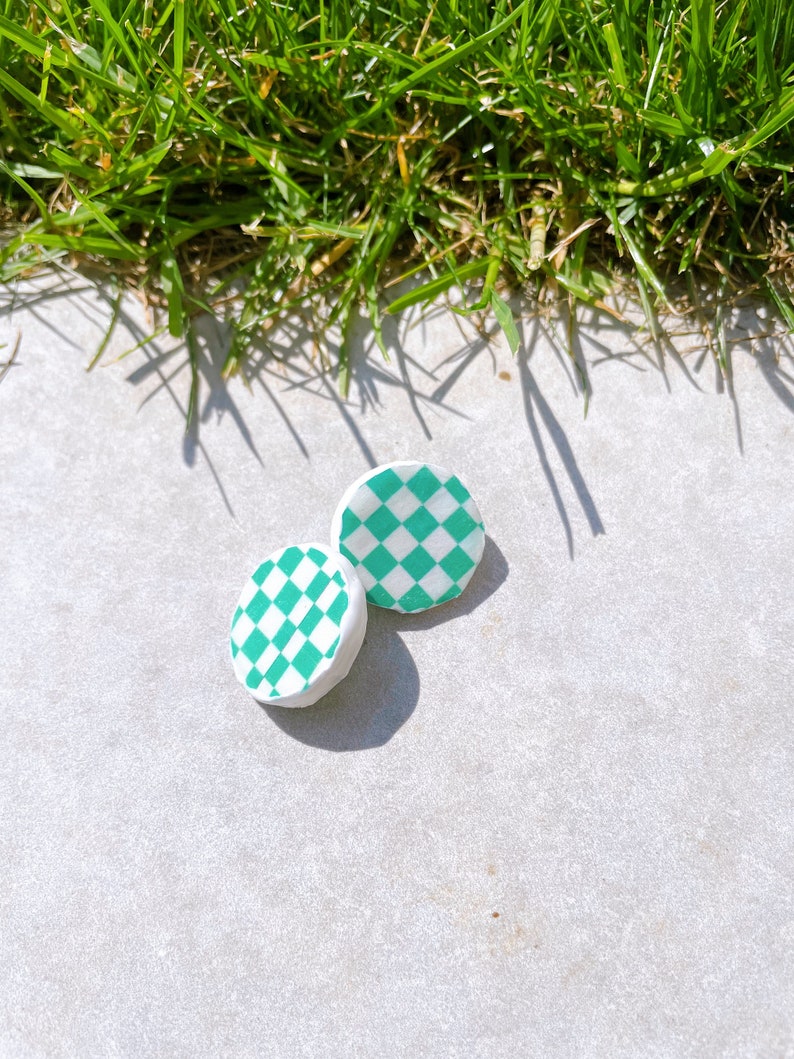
299 625
406 536
413 533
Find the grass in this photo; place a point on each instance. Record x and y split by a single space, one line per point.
257 158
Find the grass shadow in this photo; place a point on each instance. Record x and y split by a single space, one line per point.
289 357
780 382
539 413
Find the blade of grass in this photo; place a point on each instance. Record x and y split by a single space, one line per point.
504 317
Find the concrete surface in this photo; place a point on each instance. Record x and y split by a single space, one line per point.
553 819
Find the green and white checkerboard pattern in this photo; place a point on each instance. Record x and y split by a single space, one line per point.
414 535
286 628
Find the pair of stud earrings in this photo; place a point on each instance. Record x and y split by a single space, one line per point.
406 536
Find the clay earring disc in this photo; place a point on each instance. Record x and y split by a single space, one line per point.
298 626
413 533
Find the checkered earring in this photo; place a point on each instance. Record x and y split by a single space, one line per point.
406 536
413 533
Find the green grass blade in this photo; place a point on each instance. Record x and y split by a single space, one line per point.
504 317
428 291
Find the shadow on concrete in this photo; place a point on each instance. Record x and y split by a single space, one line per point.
538 412
296 356
780 382
372 703
166 363
157 362
382 690
718 337
299 370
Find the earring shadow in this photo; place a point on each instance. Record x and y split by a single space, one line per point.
382 689
365 709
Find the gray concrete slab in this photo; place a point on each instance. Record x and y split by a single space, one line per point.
552 819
